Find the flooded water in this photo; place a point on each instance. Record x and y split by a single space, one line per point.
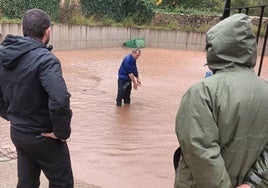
130 146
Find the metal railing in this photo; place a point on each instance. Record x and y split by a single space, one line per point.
245 10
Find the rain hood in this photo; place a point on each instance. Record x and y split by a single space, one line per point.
231 43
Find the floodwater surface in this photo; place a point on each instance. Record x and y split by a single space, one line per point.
130 146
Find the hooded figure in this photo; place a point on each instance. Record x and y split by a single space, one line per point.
221 124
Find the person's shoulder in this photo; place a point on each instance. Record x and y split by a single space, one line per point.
45 52
202 85
128 56
46 56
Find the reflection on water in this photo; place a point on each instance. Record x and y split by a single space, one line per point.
130 146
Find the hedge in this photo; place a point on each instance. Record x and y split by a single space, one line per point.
141 11
16 8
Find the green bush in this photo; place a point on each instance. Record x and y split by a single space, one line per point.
104 8
16 8
69 12
141 11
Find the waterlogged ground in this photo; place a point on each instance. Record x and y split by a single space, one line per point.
130 146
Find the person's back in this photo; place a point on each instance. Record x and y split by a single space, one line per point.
239 111
34 98
24 85
221 122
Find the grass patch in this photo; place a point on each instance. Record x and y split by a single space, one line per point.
13 21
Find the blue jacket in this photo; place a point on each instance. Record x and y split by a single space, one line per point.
127 67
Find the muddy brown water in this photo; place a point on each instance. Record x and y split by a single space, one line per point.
130 146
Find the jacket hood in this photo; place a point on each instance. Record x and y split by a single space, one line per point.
231 42
14 47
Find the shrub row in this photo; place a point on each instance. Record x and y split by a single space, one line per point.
140 11
16 8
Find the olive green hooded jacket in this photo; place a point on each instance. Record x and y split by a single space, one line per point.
222 121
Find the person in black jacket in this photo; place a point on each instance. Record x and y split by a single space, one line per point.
35 99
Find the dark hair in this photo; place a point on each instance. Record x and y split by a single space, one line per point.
35 22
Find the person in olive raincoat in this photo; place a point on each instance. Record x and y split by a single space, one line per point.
222 121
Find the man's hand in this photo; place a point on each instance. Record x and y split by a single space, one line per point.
50 135
136 81
243 186
135 86
139 81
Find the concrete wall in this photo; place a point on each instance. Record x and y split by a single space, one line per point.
83 37
70 37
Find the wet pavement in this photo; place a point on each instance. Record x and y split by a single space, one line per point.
130 146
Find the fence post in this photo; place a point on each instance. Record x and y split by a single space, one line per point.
226 12
263 49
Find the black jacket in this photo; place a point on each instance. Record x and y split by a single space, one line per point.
33 93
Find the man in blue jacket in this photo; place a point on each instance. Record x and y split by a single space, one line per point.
128 74
34 98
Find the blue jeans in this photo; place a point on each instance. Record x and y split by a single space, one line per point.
124 91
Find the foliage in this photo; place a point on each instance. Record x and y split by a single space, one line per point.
8 21
168 3
16 8
69 11
209 5
199 4
240 3
104 8
213 5
191 11
141 11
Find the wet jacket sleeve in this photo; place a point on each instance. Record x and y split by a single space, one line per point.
131 66
3 107
135 69
257 177
198 136
59 98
